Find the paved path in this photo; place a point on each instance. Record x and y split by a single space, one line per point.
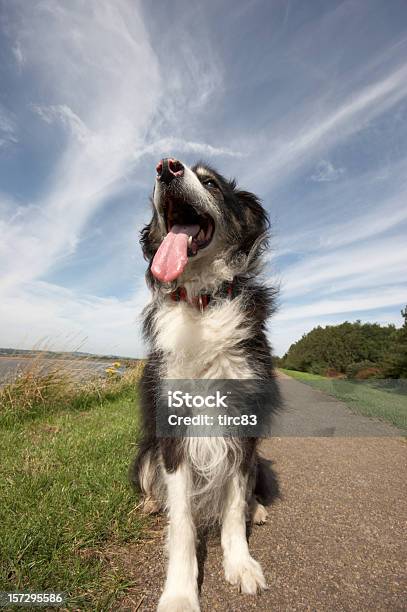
335 540
310 412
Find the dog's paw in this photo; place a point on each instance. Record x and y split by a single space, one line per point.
260 515
178 603
246 574
150 506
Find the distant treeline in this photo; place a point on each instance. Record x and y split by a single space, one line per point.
357 350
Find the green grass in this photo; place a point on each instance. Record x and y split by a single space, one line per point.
44 389
65 497
373 398
304 376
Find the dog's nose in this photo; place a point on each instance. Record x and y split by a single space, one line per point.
168 169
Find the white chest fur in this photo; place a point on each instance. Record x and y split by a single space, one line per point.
203 344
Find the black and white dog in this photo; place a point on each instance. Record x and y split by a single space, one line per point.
206 320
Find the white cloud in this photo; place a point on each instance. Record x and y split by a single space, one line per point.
98 76
8 128
356 302
170 145
62 112
18 55
97 61
303 135
368 211
345 268
326 172
85 56
60 319
380 260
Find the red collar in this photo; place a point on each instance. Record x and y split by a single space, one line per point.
202 300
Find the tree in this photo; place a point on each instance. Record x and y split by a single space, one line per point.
395 359
336 347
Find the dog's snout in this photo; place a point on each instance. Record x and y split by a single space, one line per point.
168 169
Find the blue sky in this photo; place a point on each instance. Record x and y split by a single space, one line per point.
304 102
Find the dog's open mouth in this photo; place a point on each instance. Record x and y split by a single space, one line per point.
180 214
188 232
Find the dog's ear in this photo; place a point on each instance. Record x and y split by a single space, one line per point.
257 224
255 216
150 237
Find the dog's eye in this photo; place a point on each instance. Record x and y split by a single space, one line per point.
209 183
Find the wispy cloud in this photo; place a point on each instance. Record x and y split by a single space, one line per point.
167 146
67 117
359 211
326 172
18 55
309 133
356 302
97 66
106 106
8 128
386 258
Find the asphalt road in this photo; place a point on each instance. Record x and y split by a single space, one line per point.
336 537
310 412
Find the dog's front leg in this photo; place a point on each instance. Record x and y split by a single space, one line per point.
181 587
240 567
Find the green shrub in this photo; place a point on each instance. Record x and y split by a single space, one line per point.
337 347
362 370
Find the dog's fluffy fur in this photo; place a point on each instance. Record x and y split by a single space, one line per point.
206 480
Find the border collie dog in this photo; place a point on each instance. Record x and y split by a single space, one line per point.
206 320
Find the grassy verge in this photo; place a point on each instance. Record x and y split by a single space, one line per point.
367 397
65 497
40 391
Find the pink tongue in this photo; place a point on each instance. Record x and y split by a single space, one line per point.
172 256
